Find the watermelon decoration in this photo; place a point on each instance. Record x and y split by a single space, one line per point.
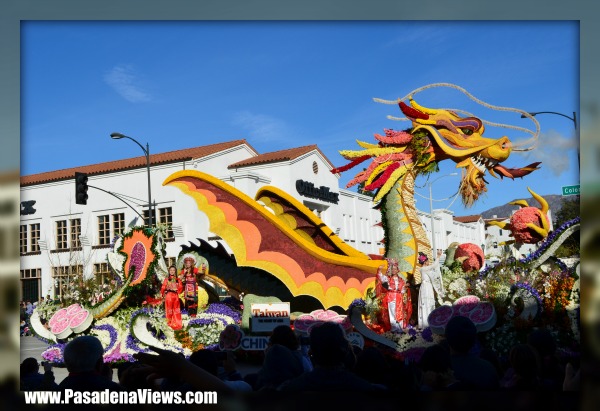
61 328
81 321
73 319
483 316
305 322
482 313
439 317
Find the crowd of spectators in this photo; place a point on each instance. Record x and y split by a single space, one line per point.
328 364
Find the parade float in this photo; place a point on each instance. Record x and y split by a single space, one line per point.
277 247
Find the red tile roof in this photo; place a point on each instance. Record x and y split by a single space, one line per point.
131 163
468 218
278 156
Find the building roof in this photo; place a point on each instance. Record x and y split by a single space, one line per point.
279 156
132 163
498 219
468 218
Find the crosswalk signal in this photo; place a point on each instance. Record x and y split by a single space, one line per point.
81 188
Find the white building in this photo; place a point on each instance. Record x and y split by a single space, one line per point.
58 236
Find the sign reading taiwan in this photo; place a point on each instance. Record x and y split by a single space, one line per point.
570 190
265 317
322 193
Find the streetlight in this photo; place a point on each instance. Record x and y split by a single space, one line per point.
573 119
118 136
433 247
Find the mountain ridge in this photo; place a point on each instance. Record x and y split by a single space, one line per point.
555 202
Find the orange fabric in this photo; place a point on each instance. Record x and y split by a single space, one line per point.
170 291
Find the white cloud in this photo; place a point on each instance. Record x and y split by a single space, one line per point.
551 151
261 127
123 78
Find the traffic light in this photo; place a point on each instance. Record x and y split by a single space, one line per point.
81 188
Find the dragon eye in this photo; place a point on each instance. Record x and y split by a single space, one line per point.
466 131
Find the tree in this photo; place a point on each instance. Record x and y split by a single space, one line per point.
569 210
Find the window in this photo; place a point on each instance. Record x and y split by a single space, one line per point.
163 216
166 217
64 275
102 273
75 232
23 239
500 232
34 234
61 235
118 223
30 284
171 261
103 230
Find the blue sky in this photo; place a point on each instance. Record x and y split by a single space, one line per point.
287 84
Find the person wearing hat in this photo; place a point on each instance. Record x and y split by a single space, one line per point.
170 290
190 285
431 278
397 306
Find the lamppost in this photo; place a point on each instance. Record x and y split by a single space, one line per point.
118 136
433 247
573 119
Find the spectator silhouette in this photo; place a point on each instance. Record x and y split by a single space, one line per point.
32 380
436 372
284 335
469 369
524 369
208 361
372 366
83 358
552 372
329 349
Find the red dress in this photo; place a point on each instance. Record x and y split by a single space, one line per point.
170 291
398 293
190 291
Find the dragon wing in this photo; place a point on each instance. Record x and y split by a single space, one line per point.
316 264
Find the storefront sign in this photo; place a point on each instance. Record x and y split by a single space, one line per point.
322 193
27 207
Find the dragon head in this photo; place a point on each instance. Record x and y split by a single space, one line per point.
436 135
461 140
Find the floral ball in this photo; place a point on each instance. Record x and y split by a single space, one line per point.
519 221
474 254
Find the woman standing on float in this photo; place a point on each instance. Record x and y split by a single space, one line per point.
396 302
170 290
190 285
431 279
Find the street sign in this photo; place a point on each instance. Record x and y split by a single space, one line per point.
570 190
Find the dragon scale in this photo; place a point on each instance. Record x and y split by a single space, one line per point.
405 235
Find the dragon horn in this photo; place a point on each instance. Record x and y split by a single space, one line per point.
410 112
540 200
422 109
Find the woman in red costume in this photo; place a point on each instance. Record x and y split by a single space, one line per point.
190 285
396 307
170 290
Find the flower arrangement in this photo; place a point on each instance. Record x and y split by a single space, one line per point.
54 353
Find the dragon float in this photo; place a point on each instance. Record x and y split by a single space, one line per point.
282 249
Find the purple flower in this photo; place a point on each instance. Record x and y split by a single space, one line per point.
112 332
357 302
531 290
130 343
218 308
427 334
